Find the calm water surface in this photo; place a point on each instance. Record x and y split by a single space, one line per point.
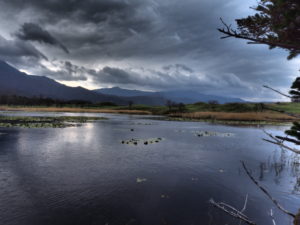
86 176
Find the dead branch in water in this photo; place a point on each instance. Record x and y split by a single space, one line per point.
266 192
233 211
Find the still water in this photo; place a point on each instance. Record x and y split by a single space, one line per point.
85 176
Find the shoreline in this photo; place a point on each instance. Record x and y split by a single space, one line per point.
75 110
226 118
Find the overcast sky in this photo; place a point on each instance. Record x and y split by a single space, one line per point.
141 44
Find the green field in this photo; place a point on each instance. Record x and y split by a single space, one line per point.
189 108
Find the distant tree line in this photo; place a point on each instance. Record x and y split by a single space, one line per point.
175 107
45 101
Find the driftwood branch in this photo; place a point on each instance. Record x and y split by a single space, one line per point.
264 190
232 211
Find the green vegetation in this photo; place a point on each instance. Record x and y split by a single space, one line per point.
229 113
45 122
290 107
212 107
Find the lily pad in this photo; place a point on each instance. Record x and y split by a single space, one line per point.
141 180
149 141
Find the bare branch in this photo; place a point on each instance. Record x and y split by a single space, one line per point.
231 211
278 142
266 192
296 142
285 95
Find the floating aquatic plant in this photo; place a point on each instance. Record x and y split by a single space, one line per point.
211 133
141 180
45 122
134 141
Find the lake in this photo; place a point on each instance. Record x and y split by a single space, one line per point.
85 176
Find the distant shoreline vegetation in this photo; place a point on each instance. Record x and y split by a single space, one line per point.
244 113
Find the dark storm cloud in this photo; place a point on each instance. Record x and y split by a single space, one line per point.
175 77
15 50
89 10
33 32
153 34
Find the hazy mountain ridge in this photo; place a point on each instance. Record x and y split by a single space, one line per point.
184 96
14 82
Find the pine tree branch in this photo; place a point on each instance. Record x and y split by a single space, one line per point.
232 33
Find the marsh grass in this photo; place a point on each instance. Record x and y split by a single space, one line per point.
231 117
76 110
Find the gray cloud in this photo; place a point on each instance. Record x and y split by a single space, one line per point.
18 52
124 36
33 32
64 71
174 77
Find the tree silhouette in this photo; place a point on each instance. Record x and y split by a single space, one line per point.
295 92
275 23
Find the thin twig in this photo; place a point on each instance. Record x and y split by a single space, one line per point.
272 217
245 204
266 192
231 211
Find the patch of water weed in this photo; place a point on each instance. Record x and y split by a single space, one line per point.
149 141
45 122
212 133
144 124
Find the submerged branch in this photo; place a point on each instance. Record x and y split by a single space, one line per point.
266 192
232 211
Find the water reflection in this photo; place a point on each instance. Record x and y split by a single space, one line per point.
84 175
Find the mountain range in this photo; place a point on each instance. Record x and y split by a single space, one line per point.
14 82
177 96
